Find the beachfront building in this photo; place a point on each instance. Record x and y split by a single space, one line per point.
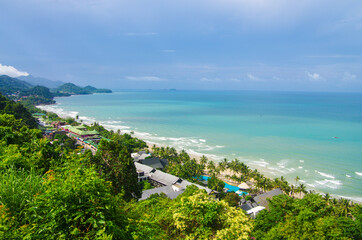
259 203
262 199
82 133
165 183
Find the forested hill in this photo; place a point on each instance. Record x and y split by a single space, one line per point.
14 86
9 85
18 110
72 89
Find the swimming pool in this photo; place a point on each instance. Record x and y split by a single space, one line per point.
230 188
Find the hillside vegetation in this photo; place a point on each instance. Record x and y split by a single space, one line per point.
9 85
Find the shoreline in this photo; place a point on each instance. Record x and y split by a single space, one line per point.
263 170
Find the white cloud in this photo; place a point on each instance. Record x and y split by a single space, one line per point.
204 79
315 77
11 71
253 77
276 78
145 78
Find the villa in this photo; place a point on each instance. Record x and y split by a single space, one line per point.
165 183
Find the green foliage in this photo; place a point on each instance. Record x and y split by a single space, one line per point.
9 85
117 166
215 184
65 141
146 185
312 217
180 164
39 91
190 216
232 199
18 110
76 203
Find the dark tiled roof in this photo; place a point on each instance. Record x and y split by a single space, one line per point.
153 162
263 198
170 193
246 206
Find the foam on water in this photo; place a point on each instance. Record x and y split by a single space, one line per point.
333 184
359 173
325 174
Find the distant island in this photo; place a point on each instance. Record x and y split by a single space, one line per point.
29 94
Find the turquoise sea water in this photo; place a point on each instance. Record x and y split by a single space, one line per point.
316 136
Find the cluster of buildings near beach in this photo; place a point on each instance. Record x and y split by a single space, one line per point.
150 168
84 137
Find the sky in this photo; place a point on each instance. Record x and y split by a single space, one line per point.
272 45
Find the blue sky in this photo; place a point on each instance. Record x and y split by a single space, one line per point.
306 45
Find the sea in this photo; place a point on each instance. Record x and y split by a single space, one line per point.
315 136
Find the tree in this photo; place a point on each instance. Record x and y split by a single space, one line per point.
296 179
116 165
198 217
232 199
215 184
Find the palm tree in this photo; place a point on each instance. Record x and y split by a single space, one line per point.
303 188
345 209
203 160
223 164
296 179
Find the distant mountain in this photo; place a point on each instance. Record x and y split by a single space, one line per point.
41 81
72 89
97 90
9 85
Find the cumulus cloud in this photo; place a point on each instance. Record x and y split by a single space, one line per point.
11 71
315 77
145 78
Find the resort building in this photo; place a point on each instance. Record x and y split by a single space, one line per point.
165 183
82 133
262 199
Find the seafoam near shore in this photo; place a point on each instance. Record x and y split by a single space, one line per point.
279 134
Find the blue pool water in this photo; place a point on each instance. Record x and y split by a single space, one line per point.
230 188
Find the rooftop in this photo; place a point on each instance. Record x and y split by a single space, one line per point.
263 198
79 130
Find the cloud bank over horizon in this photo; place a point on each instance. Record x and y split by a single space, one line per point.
11 71
207 44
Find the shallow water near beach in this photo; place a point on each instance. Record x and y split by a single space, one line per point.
316 136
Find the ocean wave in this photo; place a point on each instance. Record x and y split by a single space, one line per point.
325 174
209 156
57 110
348 175
333 184
354 199
359 173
